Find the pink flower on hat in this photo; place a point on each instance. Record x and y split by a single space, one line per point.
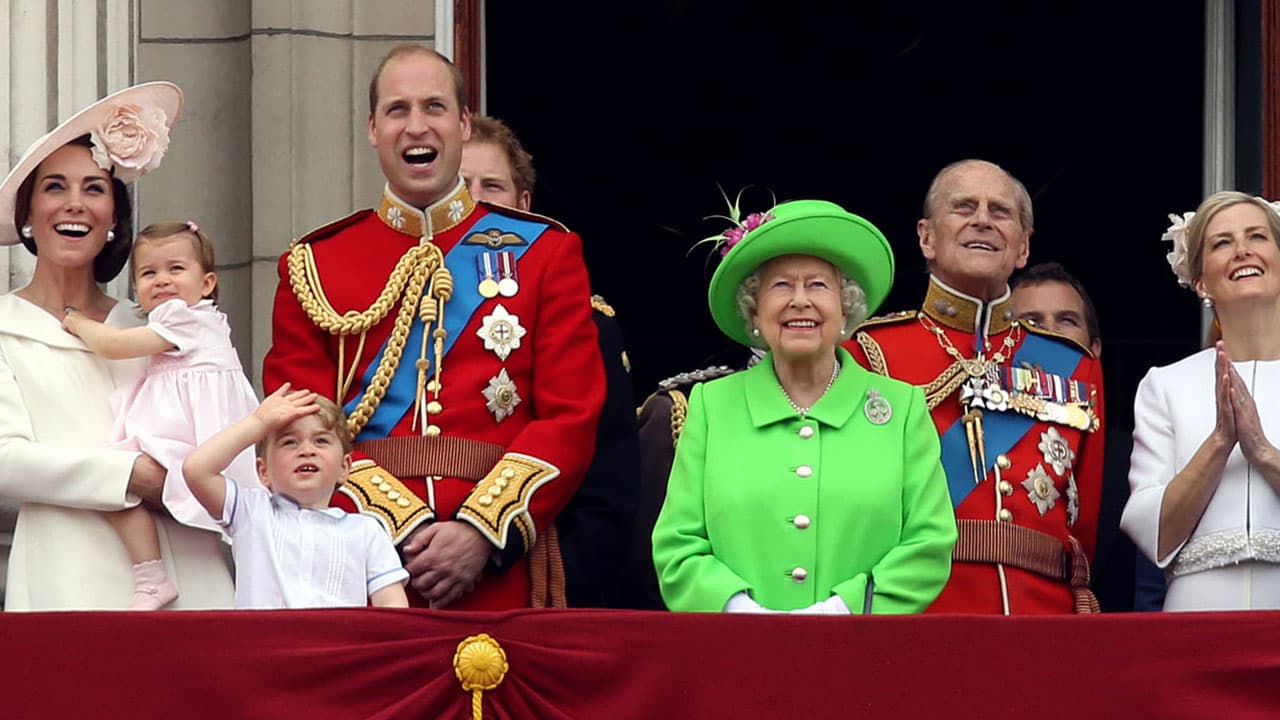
131 139
734 235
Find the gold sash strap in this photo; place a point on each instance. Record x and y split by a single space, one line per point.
546 572
984 541
419 456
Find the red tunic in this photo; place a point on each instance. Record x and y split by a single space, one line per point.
555 367
1031 491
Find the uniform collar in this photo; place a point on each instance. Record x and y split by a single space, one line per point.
767 404
445 213
951 308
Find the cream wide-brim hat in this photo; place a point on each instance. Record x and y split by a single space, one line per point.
163 96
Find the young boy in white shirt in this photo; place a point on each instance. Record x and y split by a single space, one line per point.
291 549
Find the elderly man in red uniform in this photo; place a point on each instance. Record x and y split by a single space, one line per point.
459 338
1018 408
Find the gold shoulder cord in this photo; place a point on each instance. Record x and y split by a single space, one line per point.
875 356
679 411
405 284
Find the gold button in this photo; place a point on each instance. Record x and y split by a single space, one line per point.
799 574
500 482
433 386
508 473
1042 487
1005 515
801 521
1006 487
434 407
403 502
495 491
393 495
433 430
385 487
806 432
485 500
1003 462
804 471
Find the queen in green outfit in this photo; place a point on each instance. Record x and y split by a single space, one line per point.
805 484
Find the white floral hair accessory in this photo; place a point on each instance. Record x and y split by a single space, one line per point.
1178 260
1179 256
132 140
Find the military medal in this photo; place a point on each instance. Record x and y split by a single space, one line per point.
877 409
509 284
501 332
500 396
488 287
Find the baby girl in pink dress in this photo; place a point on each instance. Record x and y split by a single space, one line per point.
192 388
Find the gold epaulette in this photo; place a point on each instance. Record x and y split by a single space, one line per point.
522 214
502 498
679 410
332 228
1043 332
378 493
889 319
599 305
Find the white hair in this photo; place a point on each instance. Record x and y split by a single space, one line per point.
853 303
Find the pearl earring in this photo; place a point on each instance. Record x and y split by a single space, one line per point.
111 235
755 332
1207 302
26 231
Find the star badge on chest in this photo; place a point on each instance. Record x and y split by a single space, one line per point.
501 332
500 396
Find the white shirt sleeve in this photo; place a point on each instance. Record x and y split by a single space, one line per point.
383 563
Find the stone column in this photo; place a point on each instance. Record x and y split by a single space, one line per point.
311 158
205 48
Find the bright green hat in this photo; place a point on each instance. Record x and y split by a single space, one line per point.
802 227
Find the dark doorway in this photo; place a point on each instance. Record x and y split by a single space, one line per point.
635 112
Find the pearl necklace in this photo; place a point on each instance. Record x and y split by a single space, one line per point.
802 412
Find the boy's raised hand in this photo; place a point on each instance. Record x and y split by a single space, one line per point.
286 405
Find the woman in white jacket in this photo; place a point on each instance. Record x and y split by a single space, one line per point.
66 201
1205 474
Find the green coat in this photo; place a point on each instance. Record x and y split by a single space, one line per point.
741 515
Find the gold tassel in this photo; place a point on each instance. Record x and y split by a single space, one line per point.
480 664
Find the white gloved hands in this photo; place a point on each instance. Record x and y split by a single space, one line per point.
741 602
831 606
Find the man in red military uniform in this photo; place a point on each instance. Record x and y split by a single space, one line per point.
459 338
1018 408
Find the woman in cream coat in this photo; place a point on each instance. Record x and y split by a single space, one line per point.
1205 474
67 195
804 484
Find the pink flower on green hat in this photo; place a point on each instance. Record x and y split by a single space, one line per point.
734 235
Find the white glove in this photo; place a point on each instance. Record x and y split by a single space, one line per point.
741 602
831 606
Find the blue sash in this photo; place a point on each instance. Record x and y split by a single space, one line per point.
466 299
1002 430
